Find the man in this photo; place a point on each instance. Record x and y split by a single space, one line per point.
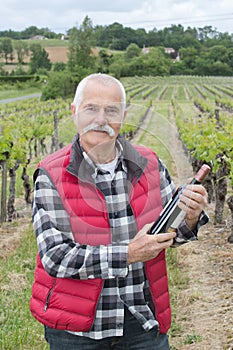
100 280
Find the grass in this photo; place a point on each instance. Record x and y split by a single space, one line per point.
13 93
19 330
155 138
48 43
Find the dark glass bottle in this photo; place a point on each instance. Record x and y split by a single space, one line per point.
171 215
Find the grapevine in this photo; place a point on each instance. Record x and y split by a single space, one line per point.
202 107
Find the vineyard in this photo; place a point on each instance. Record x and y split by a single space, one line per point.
198 110
202 109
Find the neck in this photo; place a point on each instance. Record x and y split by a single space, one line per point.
103 153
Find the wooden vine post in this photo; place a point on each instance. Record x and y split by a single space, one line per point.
230 205
3 167
3 170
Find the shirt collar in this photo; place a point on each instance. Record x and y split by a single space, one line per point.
95 169
132 162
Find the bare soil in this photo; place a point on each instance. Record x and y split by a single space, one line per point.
205 308
55 54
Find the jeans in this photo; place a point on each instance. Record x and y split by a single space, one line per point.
134 338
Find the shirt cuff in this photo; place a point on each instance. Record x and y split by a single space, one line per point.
185 234
116 261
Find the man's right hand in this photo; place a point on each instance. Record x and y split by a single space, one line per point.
145 247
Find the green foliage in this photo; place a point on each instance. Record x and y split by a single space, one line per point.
81 41
207 136
104 60
59 66
133 50
22 50
202 51
59 84
6 48
39 59
17 78
156 63
132 63
25 122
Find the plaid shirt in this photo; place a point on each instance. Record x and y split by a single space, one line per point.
124 286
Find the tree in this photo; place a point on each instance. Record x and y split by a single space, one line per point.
188 57
104 60
81 41
22 50
116 34
6 48
156 62
140 38
133 50
30 32
230 57
218 53
59 66
60 84
39 58
206 32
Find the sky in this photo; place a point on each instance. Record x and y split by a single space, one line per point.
61 15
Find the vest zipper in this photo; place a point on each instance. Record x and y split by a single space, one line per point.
49 295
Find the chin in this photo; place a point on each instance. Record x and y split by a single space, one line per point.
95 138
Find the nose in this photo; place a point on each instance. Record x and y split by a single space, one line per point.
100 117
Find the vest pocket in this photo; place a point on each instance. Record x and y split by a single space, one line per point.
49 295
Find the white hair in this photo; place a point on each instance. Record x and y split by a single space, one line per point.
104 79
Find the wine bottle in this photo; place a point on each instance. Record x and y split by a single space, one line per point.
172 216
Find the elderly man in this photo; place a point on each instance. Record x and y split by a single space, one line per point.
100 280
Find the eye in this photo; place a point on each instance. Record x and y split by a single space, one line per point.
111 110
92 108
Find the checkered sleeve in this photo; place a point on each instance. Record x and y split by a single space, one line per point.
167 188
60 254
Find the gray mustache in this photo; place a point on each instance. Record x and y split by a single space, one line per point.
95 127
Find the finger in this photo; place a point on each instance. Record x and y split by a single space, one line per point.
166 244
163 237
197 188
193 196
188 196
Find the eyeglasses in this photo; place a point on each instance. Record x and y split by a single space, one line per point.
113 111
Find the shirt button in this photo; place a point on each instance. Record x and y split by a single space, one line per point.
115 214
119 325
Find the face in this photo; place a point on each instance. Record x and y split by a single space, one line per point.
100 114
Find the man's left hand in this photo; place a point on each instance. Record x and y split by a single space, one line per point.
193 200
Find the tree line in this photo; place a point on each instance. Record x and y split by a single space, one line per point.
117 37
125 52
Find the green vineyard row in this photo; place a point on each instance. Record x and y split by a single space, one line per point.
202 108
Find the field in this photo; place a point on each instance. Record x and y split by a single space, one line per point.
57 52
184 119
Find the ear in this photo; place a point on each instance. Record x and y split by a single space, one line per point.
73 108
125 114
123 118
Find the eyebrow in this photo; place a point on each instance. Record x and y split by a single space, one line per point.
114 105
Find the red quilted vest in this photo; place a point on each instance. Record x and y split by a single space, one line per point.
68 304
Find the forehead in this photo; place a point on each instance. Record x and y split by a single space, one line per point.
101 93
